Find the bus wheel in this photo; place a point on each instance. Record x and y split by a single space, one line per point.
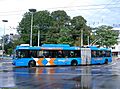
106 61
32 64
74 63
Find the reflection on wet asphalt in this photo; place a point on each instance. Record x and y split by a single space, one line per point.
62 77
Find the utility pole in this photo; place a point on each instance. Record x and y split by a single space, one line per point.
3 46
88 40
32 11
81 37
38 38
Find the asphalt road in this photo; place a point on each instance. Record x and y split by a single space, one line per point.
63 77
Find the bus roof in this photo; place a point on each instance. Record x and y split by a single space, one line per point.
49 47
27 48
98 48
57 47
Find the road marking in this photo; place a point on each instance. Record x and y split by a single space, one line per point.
7 62
79 69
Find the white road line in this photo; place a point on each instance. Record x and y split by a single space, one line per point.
7 62
79 69
96 69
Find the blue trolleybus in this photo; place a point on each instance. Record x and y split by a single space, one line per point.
60 54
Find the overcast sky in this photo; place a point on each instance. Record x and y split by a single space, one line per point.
96 12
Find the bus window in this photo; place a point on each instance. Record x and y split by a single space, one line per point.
22 54
108 53
40 54
77 53
33 53
60 54
93 53
100 54
52 53
46 53
103 53
97 53
72 54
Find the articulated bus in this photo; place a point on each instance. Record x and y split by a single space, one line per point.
60 54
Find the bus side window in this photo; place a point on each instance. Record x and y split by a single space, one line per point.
71 53
40 54
59 53
77 53
33 53
65 53
93 53
107 53
53 53
46 53
100 54
30 54
103 53
97 53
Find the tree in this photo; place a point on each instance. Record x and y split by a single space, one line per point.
24 28
52 27
10 43
107 37
78 25
41 21
65 36
60 18
78 22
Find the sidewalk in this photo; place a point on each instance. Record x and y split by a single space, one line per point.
114 59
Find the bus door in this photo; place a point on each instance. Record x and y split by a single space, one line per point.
85 56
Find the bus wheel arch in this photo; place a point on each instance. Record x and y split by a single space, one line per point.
74 62
32 63
106 61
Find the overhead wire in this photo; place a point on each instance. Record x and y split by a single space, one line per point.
98 13
94 7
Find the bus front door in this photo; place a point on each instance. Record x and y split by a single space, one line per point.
85 56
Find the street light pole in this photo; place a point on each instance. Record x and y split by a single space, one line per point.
3 38
38 38
39 35
32 11
81 37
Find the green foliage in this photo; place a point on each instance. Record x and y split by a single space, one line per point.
58 27
64 36
107 37
60 18
78 22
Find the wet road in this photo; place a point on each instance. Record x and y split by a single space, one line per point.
65 77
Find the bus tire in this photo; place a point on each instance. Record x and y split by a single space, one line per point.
74 63
106 61
32 63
